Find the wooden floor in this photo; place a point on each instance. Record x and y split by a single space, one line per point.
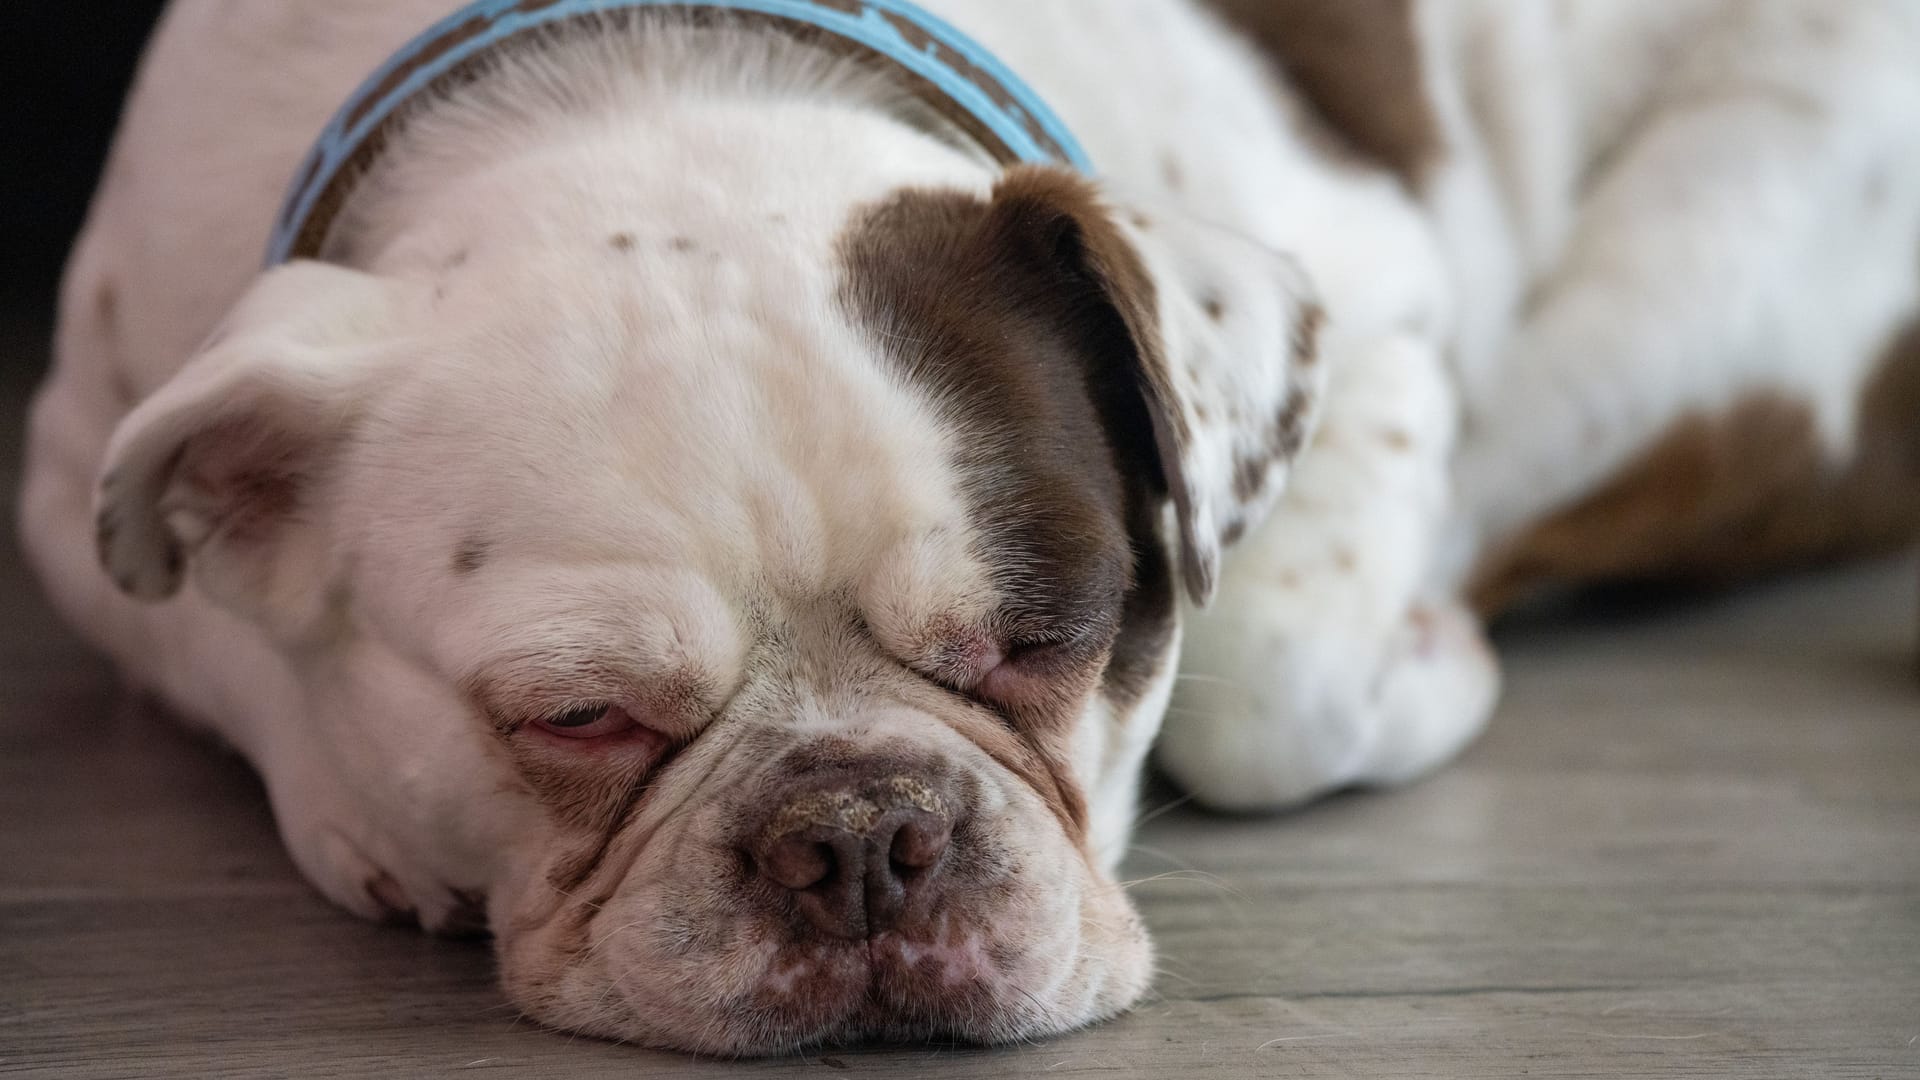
1690 846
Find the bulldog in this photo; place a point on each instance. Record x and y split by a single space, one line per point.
721 494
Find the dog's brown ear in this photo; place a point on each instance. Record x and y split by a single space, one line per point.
1221 335
217 465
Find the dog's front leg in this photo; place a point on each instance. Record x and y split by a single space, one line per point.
1326 661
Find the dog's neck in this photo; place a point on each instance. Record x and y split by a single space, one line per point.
660 125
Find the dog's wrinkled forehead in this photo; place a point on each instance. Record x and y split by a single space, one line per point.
713 425
683 398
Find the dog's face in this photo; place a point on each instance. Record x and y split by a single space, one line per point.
777 614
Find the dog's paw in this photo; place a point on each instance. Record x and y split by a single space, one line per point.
139 552
343 871
1263 722
1437 689
358 866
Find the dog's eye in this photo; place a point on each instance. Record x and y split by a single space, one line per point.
1023 669
591 722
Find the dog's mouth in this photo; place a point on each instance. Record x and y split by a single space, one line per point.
966 988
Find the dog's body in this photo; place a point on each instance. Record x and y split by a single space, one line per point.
725 308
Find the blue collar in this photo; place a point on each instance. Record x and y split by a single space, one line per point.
947 71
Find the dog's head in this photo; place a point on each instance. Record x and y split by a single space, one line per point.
771 613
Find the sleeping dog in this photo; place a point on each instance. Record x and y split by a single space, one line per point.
722 494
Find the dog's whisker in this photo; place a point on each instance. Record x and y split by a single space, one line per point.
594 905
1182 865
1161 811
1211 679
1194 876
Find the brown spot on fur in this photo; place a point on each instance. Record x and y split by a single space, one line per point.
621 241
682 244
1140 220
1306 336
1344 559
1358 66
1397 440
1290 425
106 304
1215 309
471 555
1249 477
1733 495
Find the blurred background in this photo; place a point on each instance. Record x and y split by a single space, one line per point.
70 62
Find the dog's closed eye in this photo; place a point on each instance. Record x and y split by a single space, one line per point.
1018 671
593 722
1029 671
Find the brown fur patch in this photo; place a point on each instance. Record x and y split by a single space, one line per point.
1730 496
1358 66
1012 307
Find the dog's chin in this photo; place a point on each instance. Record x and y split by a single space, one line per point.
877 993
873 992
968 985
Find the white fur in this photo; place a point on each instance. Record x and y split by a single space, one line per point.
1632 220
1651 209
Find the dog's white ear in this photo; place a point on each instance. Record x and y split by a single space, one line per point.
1224 334
217 465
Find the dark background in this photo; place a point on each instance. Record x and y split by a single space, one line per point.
67 65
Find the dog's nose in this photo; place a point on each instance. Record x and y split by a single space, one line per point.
860 858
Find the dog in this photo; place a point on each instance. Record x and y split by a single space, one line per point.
726 505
